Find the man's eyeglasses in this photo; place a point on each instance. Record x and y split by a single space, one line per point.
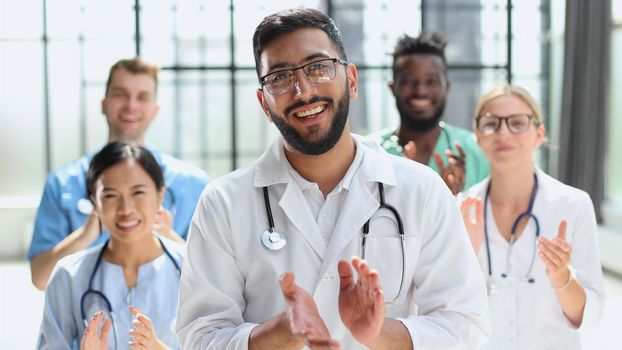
317 72
488 124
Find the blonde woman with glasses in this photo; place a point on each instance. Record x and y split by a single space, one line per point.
535 237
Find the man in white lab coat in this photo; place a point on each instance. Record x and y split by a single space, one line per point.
269 262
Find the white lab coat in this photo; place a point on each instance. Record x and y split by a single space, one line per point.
528 315
155 294
230 280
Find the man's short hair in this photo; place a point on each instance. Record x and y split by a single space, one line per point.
431 43
288 21
135 66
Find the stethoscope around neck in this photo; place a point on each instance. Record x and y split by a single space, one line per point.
526 214
102 296
273 240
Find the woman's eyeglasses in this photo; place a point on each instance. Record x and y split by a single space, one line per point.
488 124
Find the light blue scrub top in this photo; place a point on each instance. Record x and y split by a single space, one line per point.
155 293
64 205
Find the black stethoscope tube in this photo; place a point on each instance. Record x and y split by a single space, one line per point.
365 233
266 200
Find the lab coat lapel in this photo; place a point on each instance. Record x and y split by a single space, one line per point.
294 205
359 205
271 170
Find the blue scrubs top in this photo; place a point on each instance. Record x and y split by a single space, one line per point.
64 205
155 293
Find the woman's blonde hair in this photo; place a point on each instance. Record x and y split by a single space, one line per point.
510 90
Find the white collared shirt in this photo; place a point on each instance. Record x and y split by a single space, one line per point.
326 210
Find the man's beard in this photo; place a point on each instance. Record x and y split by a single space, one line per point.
421 124
324 143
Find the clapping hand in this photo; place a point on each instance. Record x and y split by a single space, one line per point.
304 318
143 334
361 302
473 224
555 254
92 339
454 174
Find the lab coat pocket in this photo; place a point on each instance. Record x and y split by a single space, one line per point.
392 257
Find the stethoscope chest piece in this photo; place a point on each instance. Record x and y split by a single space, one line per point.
84 206
273 240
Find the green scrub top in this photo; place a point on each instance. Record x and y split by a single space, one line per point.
477 167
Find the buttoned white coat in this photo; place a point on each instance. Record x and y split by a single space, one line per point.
528 315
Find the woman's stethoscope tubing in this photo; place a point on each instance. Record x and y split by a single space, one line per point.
103 297
527 214
274 240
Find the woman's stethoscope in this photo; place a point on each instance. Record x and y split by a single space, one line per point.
528 214
273 240
103 297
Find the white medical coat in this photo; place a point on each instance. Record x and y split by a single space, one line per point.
155 293
230 280
528 315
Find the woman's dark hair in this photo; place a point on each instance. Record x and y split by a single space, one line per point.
288 21
116 152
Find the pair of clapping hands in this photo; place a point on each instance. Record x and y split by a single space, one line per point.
142 333
554 253
361 307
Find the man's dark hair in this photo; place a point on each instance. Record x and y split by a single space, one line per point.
120 151
288 21
432 43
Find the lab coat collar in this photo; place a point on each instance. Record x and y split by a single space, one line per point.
546 187
376 165
360 204
549 189
362 200
272 166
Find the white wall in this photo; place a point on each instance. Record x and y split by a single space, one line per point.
17 217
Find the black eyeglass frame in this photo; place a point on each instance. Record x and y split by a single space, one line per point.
335 61
530 118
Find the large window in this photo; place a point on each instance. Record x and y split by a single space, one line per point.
55 55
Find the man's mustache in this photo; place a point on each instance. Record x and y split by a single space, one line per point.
314 99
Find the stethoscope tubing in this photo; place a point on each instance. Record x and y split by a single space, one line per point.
400 227
365 231
529 214
103 297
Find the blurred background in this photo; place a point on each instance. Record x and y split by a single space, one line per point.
55 56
